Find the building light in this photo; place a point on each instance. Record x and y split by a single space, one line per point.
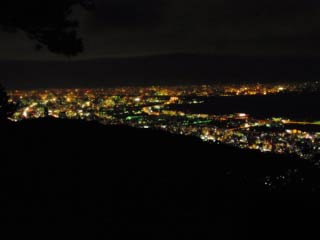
242 114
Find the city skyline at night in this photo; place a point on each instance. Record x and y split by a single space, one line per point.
168 109
159 119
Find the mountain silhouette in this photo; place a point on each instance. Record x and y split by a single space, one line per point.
71 179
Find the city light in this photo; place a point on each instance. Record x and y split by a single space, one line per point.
166 108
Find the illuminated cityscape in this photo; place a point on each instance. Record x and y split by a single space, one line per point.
160 108
159 119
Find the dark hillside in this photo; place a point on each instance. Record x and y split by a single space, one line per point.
117 183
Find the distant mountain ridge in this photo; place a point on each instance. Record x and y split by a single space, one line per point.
157 70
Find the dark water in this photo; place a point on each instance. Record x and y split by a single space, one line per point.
297 107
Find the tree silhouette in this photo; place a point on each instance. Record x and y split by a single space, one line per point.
46 22
7 108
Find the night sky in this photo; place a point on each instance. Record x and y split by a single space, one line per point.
127 29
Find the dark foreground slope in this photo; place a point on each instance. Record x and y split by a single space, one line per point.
78 180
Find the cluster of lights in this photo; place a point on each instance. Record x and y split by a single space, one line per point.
150 107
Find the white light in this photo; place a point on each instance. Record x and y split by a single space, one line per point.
25 112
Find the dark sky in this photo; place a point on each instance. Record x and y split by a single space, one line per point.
147 27
130 28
